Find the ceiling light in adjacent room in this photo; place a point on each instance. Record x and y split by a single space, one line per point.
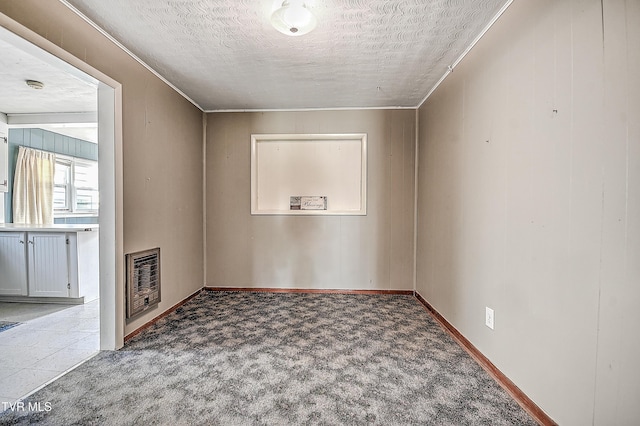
35 84
293 18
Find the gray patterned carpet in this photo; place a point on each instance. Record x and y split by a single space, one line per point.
238 358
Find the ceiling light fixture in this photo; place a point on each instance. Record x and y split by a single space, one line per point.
293 18
35 84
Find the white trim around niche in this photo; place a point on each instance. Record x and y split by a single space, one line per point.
315 167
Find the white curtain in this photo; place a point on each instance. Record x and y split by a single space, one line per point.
33 187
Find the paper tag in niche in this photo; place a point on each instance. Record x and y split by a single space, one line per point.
308 202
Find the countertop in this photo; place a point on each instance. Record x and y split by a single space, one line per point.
17 227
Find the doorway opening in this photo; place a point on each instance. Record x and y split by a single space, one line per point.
107 112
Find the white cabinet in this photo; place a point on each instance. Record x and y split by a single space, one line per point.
13 264
50 264
4 162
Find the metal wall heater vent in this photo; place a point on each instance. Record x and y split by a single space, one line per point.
143 281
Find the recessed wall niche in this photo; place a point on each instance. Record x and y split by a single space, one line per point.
309 174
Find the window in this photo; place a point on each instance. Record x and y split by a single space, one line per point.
62 186
75 187
85 183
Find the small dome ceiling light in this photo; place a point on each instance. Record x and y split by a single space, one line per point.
293 18
35 84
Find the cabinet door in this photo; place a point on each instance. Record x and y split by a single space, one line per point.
48 265
13 264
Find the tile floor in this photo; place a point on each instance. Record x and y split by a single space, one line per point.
45 345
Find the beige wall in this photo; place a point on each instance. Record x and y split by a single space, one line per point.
327 252
529 203
162 150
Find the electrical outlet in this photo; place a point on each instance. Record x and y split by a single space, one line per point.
489 317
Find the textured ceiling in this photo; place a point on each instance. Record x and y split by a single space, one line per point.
224 54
